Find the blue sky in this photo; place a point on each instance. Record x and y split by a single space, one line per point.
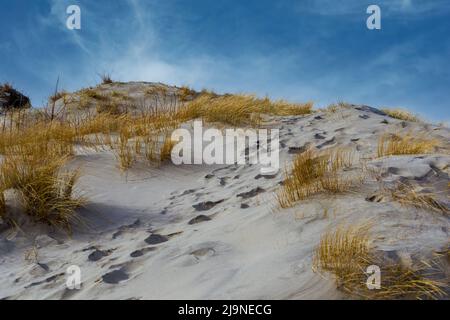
317 50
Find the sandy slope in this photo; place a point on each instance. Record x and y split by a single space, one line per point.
227 251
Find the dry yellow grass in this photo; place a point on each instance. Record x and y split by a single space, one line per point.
401 114
346 253
106 78
406 195
402 144
335 107
186 94
312 172
36 147
34 168
238 109
166 150
132 138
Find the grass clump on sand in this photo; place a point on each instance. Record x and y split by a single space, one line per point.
239 109
346 253
33 165
406 195
312 172
133 138
401 114
166 150
403 144
106 78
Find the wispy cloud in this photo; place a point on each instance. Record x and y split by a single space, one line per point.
290 50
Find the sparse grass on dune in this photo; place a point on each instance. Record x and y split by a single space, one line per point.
106 78
34 168
401 114
132 138
166 150
186 94
313 172
346 253
93 94
238 109
404 144
335 107
57 96
408 196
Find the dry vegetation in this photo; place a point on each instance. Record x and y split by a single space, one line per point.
239 109
106 78
336 107
401 114
403 144
408 196
37 145
346 253
33 165
313 172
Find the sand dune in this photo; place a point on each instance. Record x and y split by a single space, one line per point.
182 232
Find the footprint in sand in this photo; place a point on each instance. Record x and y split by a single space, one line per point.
297 150
126 228
205 206
99 254
156 239
47 280
318 136
114 277
327 143
376 198
199 219
272 176
203 253
252 193
141 252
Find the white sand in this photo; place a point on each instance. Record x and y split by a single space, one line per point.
261 252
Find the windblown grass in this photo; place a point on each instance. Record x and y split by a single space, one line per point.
346 253
408 196
403 144
37 148
313 172
238 109
33 166
166 150
401 114
133 138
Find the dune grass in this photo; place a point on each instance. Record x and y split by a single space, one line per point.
404 144
239 109
313 172
33 164
36 153
408 196
401 114
346 253
335 107
106 78
166 149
